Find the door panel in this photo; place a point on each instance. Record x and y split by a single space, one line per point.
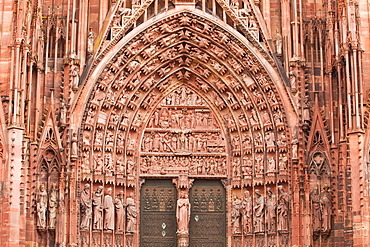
208 214
158 214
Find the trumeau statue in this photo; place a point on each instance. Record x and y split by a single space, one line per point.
42 203
183 214
85 206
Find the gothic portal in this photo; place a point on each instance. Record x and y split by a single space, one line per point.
162 123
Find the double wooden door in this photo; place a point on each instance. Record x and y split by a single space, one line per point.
158 214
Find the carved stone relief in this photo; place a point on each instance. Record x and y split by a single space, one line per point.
176 102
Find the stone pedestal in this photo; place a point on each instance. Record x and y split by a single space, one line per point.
183 240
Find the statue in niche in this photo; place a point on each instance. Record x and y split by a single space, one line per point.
74 148
53 204
41 206
271 210
98 208
86 160
278 42
247 206
75 78
109 211
235 215
259 212
295 148
293 79
282 209
130 167
98 163
85 206
326 208
283 162
271 164
63 112
120 212
316 210
131 213
183 213
109 164
120 168
90 41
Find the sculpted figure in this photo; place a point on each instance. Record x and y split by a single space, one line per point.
53 204
42 203
98 209
326 208
247 212
271 164
120 212
109 211
316 210
183 214
236 214
85 206
131 213
259 211
293 78
278 42
270 210
282 209
90 41
74 149
283 163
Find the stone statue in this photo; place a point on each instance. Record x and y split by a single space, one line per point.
326 208
75 78
42 203
282 209
293 79
271 210
278 42
109 210
74 149
90 41
120 212
53 204
235 215
316 210
183 214
259 211
98 209
247 206
63 112
131 213
85 207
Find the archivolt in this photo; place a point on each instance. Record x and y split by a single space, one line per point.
186 49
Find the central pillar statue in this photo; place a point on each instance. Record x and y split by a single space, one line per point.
183 218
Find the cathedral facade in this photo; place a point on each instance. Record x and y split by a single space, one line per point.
202 123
